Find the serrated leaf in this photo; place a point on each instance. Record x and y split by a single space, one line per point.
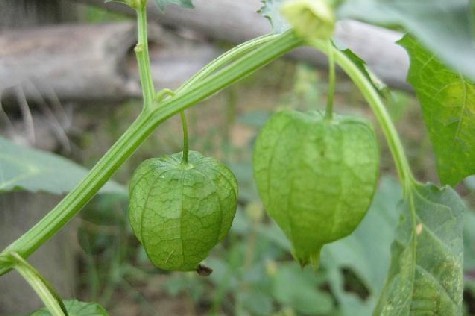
76 308
184 3
23 168
426 272
271 10
445 27
448 105
361 64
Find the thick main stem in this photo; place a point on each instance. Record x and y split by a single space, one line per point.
142 127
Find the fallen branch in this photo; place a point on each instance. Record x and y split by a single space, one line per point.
238 21
91 62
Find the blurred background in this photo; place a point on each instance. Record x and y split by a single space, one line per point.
69 85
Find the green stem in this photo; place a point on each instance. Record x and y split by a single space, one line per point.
44 290
224 60
184 124
140 129
331 82
82 193
376 104
143 58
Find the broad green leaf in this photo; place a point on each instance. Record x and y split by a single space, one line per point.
184 3
426 272
443 26
23 168
76 308
448 104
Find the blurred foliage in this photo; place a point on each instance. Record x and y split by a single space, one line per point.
253 271
94 14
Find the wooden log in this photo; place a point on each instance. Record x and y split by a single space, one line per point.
96 62
21 210
92 62
28 13
238 21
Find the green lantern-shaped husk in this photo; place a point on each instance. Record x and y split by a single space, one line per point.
180 211
316 177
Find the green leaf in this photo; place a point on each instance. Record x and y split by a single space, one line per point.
23 168
256 302
76 308
377 84
296 288
426 272
448 104
271 10
184 3
445 27
469 242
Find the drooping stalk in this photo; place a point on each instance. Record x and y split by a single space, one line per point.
331 82
374 100
184 125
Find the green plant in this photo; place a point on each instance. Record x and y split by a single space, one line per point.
426 273
181 206
316 175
